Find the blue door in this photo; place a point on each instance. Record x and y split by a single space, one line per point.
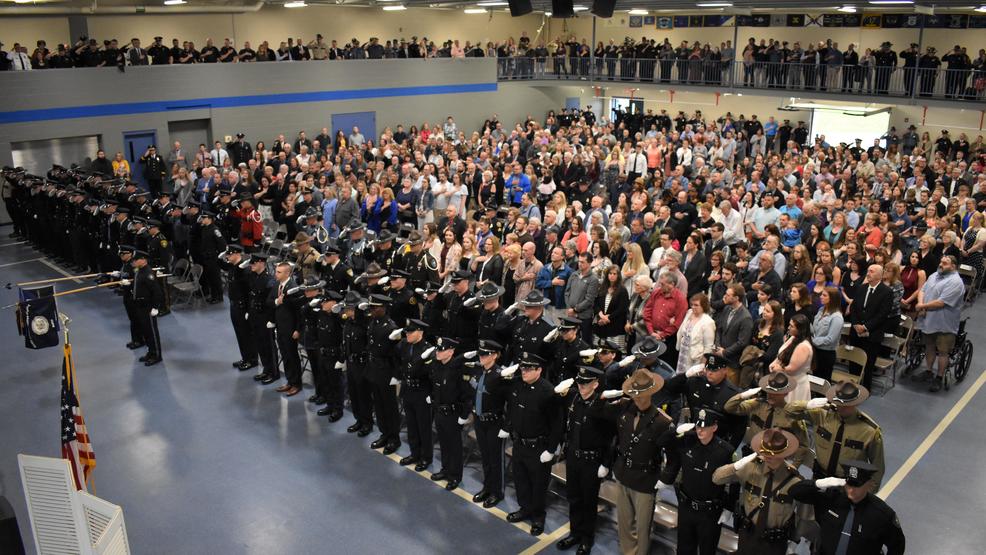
365 121
135 144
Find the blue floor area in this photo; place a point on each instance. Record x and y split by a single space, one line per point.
203 460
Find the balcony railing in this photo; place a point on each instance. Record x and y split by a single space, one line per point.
899 82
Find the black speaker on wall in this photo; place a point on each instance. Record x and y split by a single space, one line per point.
603 8
10 534
562 8
520 7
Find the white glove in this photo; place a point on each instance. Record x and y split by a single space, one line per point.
314 302
363 306
469 354
419 291
125 282
564 385
383 280
445 288
695 371
738 465
552 335
246 316
336 308
245 264
661 486
817 403
602 472
726 516
428 399
546 457
825 483
114 273
470 302
270 325
427 353
512 308
396 334
588 353
502 434
686 427
627 361
749 393
509 370
612 393
154 312
393 381
462 421
340 366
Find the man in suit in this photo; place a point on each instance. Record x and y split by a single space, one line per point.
284 303
694 265
868 315
734 326
453 221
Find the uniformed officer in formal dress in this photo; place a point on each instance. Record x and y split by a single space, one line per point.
588 456
489 408
842 431
381 372
493 324
383 249
419 262
147 302
705 386
305 256
534 423
337 274
461 311
261 318
764 519
211 244
569 349
371 281
356 247
355 356
125 275
236 266
885 61
328 374
404 304
431 307
161 253
698 452
530 328
646 354
451 397
414 352
309 308
853 520
608 356
766 407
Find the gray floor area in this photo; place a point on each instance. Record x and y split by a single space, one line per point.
203 460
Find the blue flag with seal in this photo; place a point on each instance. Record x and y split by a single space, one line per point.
37 317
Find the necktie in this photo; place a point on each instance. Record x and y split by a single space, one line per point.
846 534
729 318
765 496
833 465
480 390
866 299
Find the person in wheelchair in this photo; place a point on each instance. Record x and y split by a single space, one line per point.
939 309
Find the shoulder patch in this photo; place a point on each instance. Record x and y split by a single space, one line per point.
349 272
412 300
164 243
218 233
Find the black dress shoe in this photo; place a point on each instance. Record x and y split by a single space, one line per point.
584 549
378 443
391 447
134 345
317 399
335 415
260 377
246 365
407 460
268 380
516 516
451 485
537 528
142 358
422 466
492 501
481 496
151 361
354 428
438 476
363 432
567 542
238 363
325 411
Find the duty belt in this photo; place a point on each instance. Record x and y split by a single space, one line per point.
629 464
413 383
489 416
587 454
531 443
696 505
446 410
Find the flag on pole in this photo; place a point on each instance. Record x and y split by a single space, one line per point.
76 447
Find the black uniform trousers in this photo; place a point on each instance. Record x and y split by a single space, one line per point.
244 336
698 531
147 325
264 340
450 441
288 347
531 477
750 543
582 490
491 453
313 358
212 281
328 380
388 412
136 335
360 391
417 413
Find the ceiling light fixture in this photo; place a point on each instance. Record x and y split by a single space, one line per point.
492 4
580 9
847 9
715 4
981 9
169 2
474 10
638 12
295 4
890 2
397 8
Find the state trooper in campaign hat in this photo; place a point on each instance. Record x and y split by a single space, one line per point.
414 373
765 407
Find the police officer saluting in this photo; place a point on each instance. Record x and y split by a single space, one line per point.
414 374
569 351
147 299
238 281
211 244
766 406
125 275
491 391
354 352
706 387
337 275
328 373
494 325
452 398
404 304
260 317
381 334
530 329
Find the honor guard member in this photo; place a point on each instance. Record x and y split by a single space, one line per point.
305 256
431 307
309 223
147 299
238 288
355 356
588 456
251 228
766 407
698 451
226 222
328 374
414 354
308 311
404 304
643 434
356 247
569 349
261 318
285 303
452 397
158 246
530 329
382 374
842 431
126 275
489 405
109 235
138 230
853 520
493 324
337 275
383 249
765 517
461 311
608 355
372 281
161 208
705 386
646 354
419 262
211 245
534 423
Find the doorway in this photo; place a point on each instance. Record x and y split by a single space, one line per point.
365 121
626 105
190 133
135 144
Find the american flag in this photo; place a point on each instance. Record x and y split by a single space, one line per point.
75 439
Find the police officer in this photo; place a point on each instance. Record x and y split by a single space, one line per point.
261 317
158 246
588 456
886 62
309 307
493 324
853 520
928 66
328 374
608 353
534 422
706 387
147 301
415 377
356 247
238 281
766 407
698 451
154 169
371 281
354 351
404 304
530 329
211 243
452 398
381 335
910 57
420 263
568 351
489 408
125 275
383 249
337 274
646 354
461 311
305 256
431 307
239 150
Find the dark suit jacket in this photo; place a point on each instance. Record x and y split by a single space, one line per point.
694 271
285 314
736 336
876 312
458 226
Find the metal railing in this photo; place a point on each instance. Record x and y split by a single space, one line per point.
900 82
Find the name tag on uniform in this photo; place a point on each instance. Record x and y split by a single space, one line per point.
833 513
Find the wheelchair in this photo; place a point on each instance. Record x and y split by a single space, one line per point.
959 359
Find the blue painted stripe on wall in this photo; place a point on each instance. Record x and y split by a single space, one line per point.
99 110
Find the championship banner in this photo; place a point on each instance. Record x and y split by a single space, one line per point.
717 21
947 21
755 20
778 20
37 317
871 21
680 21
795 20
665 22
912 21
892 21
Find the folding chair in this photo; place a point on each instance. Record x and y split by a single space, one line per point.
192 285
179 273
969 275
847 356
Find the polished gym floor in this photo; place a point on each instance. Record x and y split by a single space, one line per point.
204 460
